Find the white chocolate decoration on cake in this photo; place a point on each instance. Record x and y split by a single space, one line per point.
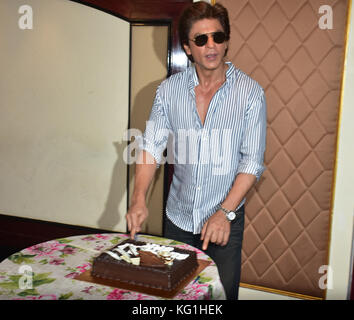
167 254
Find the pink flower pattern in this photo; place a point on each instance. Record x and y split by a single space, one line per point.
118 294
45 249
80 269
65 254
102 236
72 275
89 238
57 261
68 250
194 291
88 289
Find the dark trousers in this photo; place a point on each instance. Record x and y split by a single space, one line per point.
227 258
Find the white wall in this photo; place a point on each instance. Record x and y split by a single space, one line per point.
64 108
343 210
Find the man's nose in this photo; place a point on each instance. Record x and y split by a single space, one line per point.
210 43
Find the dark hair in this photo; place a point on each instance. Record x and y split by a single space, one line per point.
198 11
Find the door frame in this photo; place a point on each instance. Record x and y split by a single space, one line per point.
150 11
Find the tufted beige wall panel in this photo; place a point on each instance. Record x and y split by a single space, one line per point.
280 44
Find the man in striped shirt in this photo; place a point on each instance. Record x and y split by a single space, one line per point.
216 116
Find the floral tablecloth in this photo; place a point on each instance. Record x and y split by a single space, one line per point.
47 271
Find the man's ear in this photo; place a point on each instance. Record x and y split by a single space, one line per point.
187 49
226 49
227 44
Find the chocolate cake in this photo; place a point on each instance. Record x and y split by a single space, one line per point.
146 264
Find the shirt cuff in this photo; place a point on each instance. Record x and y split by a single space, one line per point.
145 145
251 167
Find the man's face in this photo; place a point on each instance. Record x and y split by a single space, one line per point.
210 56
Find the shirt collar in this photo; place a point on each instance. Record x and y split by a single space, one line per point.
193 77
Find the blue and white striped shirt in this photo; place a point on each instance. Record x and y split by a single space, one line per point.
207 158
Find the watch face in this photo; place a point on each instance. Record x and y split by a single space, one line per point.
231 215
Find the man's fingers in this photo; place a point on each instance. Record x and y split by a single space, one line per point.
204 230
135 217
226 239
132 234
205 236
129 223
206 241
132 222
221 237
215 231
214 238
134 231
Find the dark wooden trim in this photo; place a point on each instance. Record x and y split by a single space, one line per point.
18 233
352 284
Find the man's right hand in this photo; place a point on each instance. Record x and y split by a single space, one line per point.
144 173
135 216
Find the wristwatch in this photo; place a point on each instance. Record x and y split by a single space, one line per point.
230 215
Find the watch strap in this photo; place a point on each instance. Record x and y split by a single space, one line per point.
224 210
227 213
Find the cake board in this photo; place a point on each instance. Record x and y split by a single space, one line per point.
86 276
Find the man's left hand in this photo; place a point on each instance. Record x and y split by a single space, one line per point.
216 230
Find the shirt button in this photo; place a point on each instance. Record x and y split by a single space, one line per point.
198 188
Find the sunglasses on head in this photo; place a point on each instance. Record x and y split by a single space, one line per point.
202 39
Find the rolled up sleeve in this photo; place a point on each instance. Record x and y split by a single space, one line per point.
254 138
155 137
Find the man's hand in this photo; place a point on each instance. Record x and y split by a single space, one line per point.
135 217
138 212
216 229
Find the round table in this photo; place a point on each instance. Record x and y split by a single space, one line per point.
48 270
